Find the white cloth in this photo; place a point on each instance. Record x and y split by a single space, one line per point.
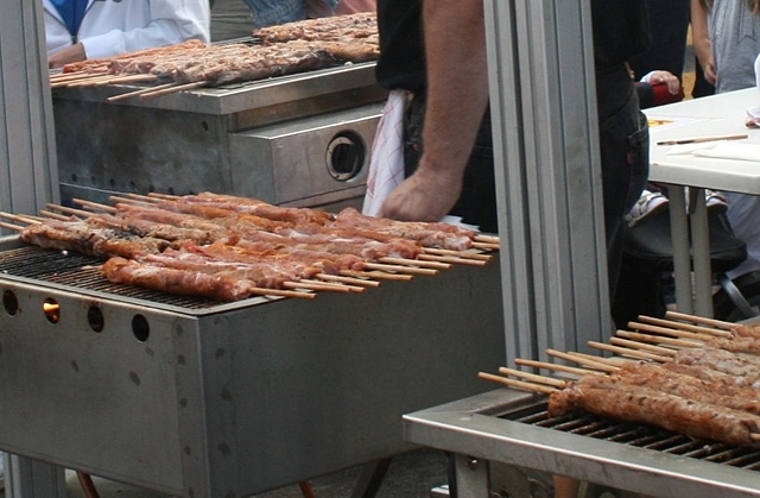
111 28
386 166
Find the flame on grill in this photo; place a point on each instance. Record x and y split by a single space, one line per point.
52 310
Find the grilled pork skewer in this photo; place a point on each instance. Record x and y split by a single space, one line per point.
608 397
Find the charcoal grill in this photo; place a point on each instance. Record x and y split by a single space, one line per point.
194 398
299 140
503 439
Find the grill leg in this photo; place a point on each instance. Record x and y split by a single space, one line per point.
370 479
471 477
27 478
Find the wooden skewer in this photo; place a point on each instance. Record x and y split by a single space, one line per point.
348 280
485 245
95 205
85 83
54 216
146 198
137 93
658 339
174 89
754 437
311 285
65 209
168 197
541 379
20 218
527 386
283 293
636 353
10 226
402 269
617 341
685 326
490 239
556 367
376 274
671 332
581 359
414 262
461 254
700 319
451 259
132 78
130 200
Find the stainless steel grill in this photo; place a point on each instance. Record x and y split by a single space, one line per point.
511 429
300 140
199 399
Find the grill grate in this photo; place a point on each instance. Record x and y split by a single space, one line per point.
80 271
638 435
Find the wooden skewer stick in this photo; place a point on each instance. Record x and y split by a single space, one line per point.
451 260
20 218
526 386
485 245
460 254
754 437
414 262
310 285
581 359
168 197
685 326
491 239
174 89
10 226
667 331
541 379
95 205
73 211
658 339
636 353
54 216
554 367
617 341
146 198
700 319
86 83
283 293
401 269
376 274
130 200
348 280
137 93
132 78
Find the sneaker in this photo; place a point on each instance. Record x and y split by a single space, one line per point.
715 201
648 204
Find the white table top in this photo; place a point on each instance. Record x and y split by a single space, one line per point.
723 114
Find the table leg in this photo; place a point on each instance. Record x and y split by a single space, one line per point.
700 246
679 234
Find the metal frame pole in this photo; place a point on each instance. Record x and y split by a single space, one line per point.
551 218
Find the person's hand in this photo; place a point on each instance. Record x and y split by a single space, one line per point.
74 53
425 196
666 77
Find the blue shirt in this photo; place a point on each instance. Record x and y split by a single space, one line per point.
72 12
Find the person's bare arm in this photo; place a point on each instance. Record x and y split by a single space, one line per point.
701 40
457 96
74 53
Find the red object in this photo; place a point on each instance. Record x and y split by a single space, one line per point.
661 94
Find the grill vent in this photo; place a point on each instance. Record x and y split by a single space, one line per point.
639 435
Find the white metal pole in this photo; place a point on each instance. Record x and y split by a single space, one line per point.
551 218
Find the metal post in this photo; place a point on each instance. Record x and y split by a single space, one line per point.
28 174
551 219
